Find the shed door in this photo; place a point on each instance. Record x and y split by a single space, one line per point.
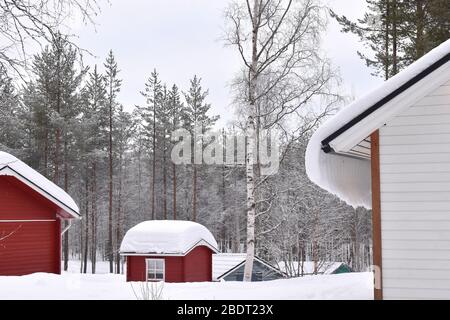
28 247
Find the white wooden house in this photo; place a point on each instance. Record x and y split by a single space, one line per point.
390 151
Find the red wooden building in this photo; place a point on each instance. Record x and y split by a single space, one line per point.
170 251
32 209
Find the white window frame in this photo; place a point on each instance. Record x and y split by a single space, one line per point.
163 269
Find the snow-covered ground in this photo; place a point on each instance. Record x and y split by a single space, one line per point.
73 286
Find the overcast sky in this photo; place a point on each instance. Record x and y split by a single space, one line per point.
181 38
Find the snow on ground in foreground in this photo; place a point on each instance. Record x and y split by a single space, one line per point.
72 286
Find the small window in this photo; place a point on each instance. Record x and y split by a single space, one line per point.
155 270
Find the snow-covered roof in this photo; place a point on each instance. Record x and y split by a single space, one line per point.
166 237
308 267
331 161
223 263
11 166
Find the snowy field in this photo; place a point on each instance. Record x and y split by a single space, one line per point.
73 286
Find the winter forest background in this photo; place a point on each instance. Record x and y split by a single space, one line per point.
65 119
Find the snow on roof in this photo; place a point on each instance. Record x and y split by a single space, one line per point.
224 262
166 237
308 267
11 166
350 177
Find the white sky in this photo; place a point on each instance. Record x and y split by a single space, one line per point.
181 38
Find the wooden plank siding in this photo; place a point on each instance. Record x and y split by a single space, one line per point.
415 200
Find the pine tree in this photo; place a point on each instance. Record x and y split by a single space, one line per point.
381 30
12 118
197 121
113 84
427 26
153 95
398 32
95 127
53 101
163 113
123 134
176 109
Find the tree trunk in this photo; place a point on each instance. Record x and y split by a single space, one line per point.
194 193
394 38
174 204
57 164
86 224
58 111
139 178
46 152
420 32
164 180
154 159
66 224
251 209
251 203
109 248
94 218
386 39
119 217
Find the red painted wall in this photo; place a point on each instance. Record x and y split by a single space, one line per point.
198 265
27 247
194 267
19 202
136 268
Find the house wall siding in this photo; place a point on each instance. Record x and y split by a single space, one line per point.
29 229
415 200
196 266
137 268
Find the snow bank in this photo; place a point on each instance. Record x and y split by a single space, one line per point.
9 161
71 286
349 178
165 236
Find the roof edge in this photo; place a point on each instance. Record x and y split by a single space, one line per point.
72 212
199 243
326 142
255 258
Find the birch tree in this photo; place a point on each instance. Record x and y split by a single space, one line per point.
279 45
24 23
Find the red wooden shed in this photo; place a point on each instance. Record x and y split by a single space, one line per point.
170 251
31 211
